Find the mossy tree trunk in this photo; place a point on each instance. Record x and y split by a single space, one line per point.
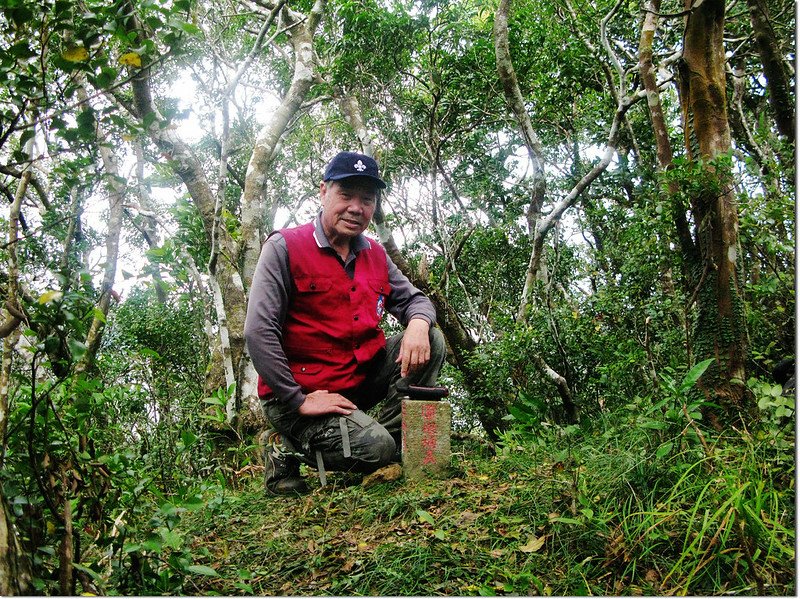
720 329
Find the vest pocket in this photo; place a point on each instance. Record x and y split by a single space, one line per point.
306 369
313 284
380 286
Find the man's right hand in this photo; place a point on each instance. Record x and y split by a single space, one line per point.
321 402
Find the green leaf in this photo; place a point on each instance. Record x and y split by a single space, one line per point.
171 538
152 545
694 375
22 50
653 424
664 449
190 28
89 571
425 517
26 135
76 348
202 570
188 438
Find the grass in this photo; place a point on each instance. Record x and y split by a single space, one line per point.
585 513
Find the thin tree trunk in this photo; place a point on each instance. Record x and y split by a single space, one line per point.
779 82
116 199
15 575
66 580
720 330
302 37
490 410
148 227
186 165
513 94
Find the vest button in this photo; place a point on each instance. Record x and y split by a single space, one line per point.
357 345
355 317
302 369
353 288
312 286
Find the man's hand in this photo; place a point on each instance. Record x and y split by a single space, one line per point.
415 349
321 402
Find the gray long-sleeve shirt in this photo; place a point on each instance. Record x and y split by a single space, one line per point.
271 295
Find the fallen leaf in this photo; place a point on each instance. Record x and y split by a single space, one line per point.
467 518
388 473
534 544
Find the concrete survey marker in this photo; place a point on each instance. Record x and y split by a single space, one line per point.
426 439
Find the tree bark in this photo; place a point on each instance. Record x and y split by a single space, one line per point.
116 199
779 82
185 164
15 574
149 225
302 38
516 102
720 330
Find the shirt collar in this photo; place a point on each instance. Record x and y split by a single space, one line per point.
356 245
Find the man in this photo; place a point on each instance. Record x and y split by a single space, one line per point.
313 332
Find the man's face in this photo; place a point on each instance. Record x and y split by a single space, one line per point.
347 207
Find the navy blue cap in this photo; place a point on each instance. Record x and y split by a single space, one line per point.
352 164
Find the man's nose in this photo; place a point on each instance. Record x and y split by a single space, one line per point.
356 206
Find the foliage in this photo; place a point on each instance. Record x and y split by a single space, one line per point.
600 508
125 450
641 496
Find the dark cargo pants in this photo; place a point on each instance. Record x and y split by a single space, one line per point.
359 442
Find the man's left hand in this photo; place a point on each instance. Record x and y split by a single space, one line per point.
415 349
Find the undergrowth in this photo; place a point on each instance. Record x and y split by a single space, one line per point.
642 500
566 511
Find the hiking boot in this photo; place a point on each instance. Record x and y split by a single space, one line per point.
281 468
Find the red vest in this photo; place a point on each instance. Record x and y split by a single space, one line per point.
332 326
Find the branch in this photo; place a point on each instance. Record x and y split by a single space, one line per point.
544 225
37 185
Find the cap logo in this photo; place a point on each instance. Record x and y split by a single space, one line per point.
360 166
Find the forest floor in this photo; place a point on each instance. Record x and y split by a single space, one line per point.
515 521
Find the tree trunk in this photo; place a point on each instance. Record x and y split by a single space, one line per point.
267 140
15 573
185 164
116 199
720 330
663 146
516 102
779 83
